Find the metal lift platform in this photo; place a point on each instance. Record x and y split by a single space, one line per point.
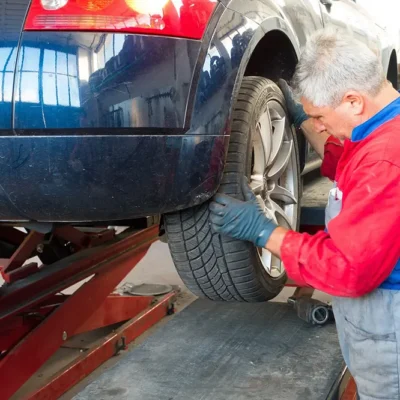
213 351
208 351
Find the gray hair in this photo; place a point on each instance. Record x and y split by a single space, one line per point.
333 63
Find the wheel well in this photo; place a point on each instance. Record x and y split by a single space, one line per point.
274 57
392 74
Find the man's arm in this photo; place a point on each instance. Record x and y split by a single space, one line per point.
363 244
316 139
274 244
301 120
333 150
327 147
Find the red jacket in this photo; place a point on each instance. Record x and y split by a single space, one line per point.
332 153
362 248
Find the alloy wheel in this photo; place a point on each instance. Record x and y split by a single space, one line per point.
274 178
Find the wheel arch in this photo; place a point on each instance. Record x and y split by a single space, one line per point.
262 35
282 57
273 34
277 39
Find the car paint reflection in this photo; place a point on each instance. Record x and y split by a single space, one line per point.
86 80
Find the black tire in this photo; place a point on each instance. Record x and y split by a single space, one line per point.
216 266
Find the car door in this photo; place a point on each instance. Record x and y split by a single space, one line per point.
348 16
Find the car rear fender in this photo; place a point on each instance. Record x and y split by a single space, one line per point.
222 66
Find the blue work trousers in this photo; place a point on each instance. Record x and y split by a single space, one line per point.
369 335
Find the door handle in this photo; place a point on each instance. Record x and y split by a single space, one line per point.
326 3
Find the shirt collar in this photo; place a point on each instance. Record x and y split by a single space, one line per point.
386 114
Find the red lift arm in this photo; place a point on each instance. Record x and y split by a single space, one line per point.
35 320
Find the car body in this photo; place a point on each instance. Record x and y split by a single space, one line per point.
112 124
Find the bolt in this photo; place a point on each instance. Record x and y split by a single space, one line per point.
64 336
40 248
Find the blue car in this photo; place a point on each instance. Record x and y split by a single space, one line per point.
112 110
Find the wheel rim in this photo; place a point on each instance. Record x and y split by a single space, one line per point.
274 177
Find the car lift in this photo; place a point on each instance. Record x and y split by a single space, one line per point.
34 315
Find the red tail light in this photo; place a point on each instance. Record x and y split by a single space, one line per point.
181 18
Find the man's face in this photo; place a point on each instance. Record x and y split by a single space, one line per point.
339 121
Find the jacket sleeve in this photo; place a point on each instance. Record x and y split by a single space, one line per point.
363 244
332 152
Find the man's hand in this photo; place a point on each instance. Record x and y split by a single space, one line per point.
295 108
244 220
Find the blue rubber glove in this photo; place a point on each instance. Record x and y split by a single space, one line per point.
296 110
244 220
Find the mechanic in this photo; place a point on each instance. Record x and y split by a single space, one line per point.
346 98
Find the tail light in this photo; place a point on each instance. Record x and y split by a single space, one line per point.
181 18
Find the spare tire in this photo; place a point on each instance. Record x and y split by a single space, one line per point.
263 147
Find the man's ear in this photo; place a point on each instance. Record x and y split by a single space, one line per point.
354 102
